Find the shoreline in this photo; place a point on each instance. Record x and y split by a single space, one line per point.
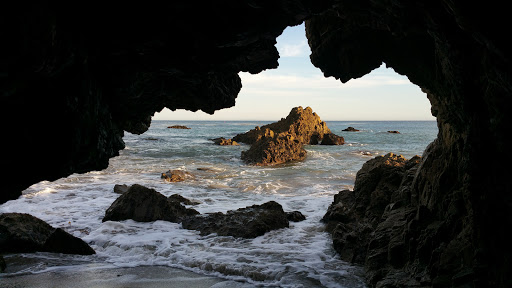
98 275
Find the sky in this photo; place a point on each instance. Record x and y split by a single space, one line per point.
270 95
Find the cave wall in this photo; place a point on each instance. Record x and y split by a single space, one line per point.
75 76
463 65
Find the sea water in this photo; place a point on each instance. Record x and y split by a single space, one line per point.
299 256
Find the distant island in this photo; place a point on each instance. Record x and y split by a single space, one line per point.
178 127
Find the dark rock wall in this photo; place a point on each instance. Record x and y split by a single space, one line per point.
74 76
463 65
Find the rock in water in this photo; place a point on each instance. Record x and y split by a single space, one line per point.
350 129
178 127
145 205
283 141
176 175
272 151
249 222
25 233
224 142
332 139
303 124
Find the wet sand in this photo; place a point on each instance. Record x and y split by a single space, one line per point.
97 276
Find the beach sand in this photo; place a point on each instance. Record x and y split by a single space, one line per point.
94 275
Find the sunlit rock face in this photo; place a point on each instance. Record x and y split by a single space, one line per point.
460 194
72 79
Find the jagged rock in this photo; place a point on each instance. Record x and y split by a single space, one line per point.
276 150
224 142
176 175
360 221
303 124
145 205
249 222
20 233
283 141
350 129
332 139
178 127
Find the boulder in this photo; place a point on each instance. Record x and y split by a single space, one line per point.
178 127
176 175
394 132
350 129
224 142
180 199
332 139
21 233
273 151
249 222
121 188
145 205
303 124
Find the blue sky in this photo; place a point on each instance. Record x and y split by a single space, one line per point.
271 94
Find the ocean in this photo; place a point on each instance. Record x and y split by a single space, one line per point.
299 256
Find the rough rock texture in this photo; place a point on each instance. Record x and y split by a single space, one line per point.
275 150
84 82
303 124
283 141
21 233
145 205
332 139
249 222
460 194
225 142
176 175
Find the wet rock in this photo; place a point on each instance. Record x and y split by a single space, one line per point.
350 129
224 142
283 141
273 151
180 199
303 124
176 175
121 188
249 222
178 127
145 205
295 216
332 139
3 265
394 132
21 233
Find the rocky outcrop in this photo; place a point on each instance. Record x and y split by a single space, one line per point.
249 222
145 205
176 175
394 132
224 142
274 150
283 141
178 127
350 129
303 125
22 233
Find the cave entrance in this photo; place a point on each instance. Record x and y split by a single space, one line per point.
382 95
